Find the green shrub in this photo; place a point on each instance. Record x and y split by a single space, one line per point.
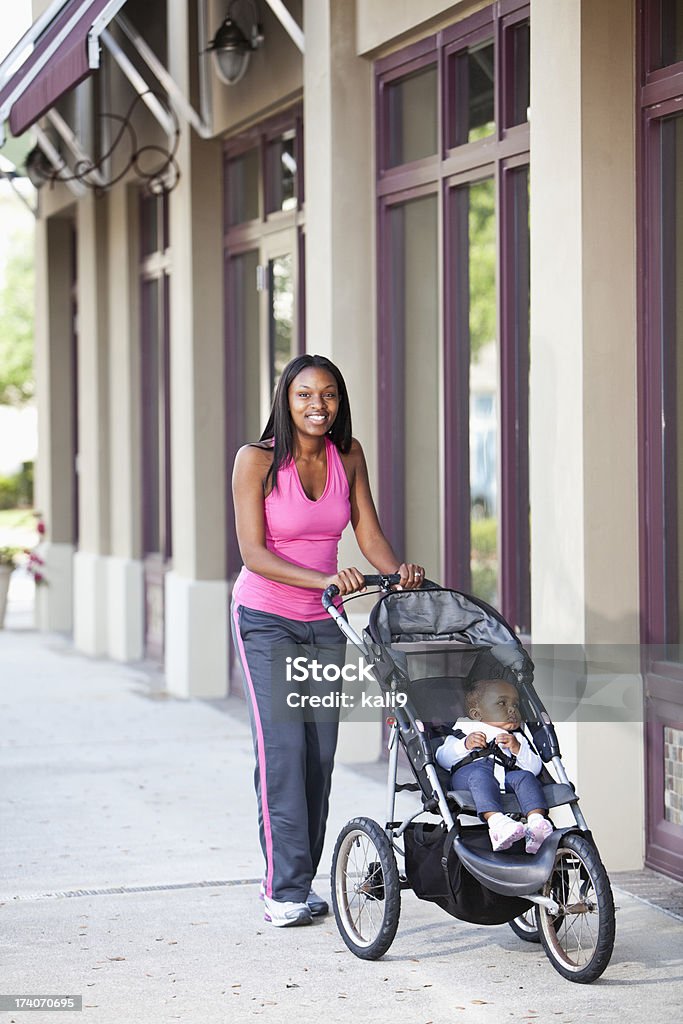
9 491
16 491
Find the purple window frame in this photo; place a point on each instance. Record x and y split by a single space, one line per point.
659 91
498 155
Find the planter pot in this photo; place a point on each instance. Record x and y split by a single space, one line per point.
5 576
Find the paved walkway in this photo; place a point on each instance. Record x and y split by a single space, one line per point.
129 870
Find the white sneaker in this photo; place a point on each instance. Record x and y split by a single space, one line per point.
504 831
317 905
285 913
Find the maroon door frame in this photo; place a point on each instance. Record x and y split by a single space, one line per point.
659 94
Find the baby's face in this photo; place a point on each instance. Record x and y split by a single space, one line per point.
497 703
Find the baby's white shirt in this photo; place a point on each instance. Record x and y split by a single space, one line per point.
453 748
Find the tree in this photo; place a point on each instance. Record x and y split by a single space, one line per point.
16 324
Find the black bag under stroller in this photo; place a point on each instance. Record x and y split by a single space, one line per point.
425 646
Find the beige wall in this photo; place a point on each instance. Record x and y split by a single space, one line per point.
340 220
274 76
38 6
610 339
583 408
385 25
93 371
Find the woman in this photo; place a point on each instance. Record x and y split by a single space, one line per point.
294 493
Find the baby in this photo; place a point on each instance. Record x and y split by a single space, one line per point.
493 709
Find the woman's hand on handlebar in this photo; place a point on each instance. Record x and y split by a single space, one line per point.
349 581
412 576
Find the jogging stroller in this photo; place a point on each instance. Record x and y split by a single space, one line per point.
424 646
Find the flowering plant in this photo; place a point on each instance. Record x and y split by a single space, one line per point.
35 564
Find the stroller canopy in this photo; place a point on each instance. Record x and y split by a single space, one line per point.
440 639
433 614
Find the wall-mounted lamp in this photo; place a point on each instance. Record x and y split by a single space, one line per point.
39 170
231 48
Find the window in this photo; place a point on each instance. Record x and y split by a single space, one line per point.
453 196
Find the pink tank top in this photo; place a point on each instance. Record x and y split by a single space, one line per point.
303 532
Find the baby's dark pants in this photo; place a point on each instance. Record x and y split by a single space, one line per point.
478 777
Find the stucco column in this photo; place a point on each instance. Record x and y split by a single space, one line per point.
90 562
125 589
196 616
340 241
583 409
54 371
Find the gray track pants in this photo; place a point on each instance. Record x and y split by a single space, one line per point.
294 749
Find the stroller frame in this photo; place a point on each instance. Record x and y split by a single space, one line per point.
538 880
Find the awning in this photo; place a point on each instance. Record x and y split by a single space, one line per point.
65 53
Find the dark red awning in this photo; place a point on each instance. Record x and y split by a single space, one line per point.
65 67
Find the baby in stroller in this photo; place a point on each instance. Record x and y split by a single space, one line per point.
497 757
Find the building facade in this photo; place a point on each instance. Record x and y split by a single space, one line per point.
475 210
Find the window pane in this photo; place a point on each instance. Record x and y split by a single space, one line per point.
281 331
412 117
673 775
472 90
484 434
149 225
520 37
243 187
281 174
672 32
672 367
415 324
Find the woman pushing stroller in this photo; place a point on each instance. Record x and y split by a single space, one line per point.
295 491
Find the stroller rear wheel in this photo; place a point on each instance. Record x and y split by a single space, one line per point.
525 926
366 892
579 939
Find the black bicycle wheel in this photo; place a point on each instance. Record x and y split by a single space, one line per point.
366 892
578 940
525 926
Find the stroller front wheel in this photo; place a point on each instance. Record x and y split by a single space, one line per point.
525 926
579 939
366 891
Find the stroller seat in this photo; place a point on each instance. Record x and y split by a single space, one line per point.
438 700
556 794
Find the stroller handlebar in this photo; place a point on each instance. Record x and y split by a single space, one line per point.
383 580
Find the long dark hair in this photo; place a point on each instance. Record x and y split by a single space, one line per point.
279 425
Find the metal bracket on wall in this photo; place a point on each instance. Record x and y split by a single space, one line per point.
163 76
288 23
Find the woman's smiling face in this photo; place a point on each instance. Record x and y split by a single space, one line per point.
313 401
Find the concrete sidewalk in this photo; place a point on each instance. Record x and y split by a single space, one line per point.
129 874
